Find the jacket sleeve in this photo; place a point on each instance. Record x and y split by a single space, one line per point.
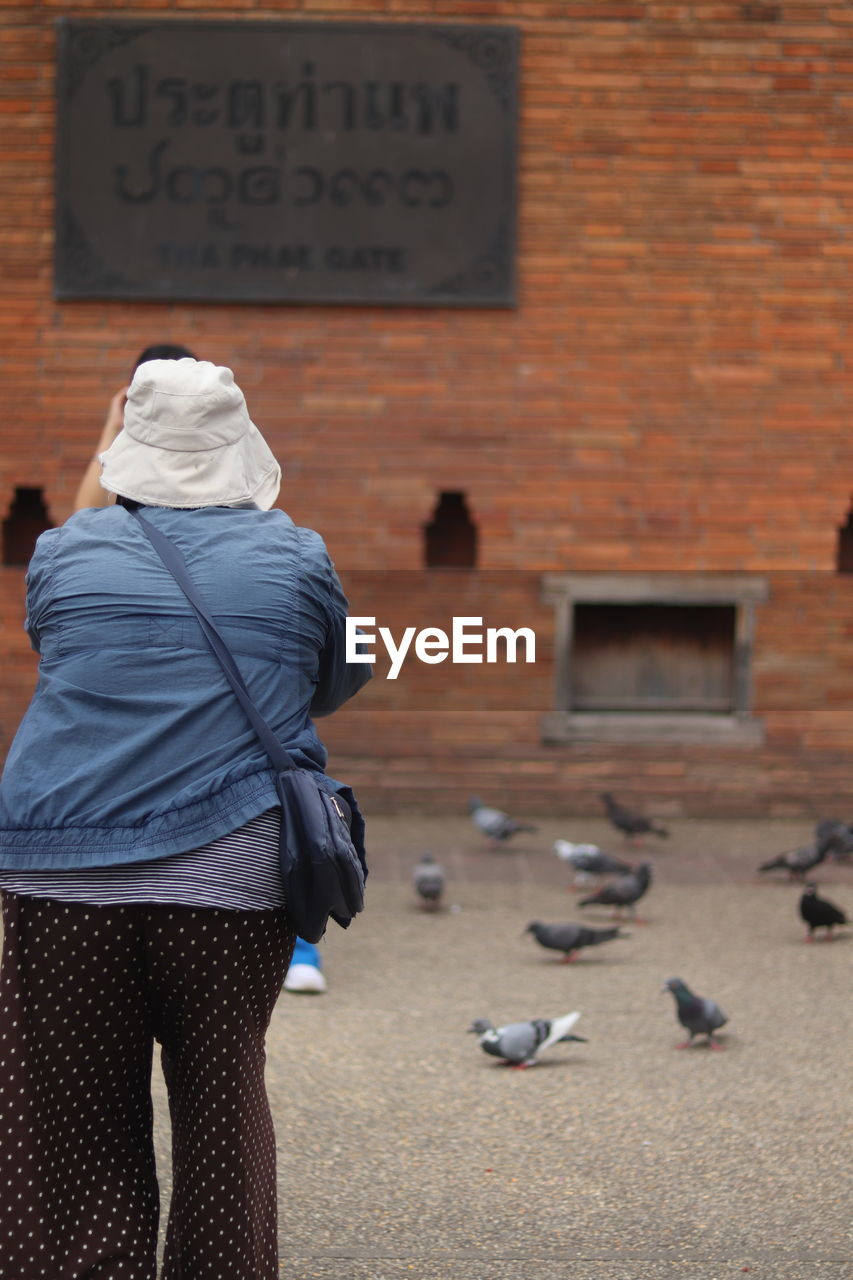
337 679
39 584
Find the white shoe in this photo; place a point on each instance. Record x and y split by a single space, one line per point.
305 977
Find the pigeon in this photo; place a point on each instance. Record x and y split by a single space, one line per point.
819 913
428 879
628 821
835 838
699 1015
494 823
519 1043
796 861
570 938
588 860
625 891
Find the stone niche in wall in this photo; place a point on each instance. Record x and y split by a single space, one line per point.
654 657
844 553
27 517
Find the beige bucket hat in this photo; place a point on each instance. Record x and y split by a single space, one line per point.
188 441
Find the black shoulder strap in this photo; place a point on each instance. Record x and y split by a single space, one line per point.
175 563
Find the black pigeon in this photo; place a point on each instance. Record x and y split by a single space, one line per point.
699 1015
818 913
834 838
570 938
796 861
625 891
494 823
628 821
428 879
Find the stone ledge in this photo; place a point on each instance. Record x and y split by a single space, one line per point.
564 726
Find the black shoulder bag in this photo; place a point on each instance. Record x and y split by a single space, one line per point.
322 871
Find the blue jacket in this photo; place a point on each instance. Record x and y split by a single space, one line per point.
134 745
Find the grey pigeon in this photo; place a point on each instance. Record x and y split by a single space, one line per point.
796 861
623 892
699 1015
628 821
834 838
588 860
519 1043
570 938
428 879
494 823
819 913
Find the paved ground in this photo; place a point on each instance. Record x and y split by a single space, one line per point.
406 1152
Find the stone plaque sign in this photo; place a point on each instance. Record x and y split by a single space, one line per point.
286 162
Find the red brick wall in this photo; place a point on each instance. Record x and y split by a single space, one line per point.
432 738
673 391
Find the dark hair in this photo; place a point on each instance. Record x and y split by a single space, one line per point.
165 351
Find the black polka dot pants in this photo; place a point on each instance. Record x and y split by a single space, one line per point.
84 992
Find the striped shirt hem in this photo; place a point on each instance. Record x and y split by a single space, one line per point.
240 871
